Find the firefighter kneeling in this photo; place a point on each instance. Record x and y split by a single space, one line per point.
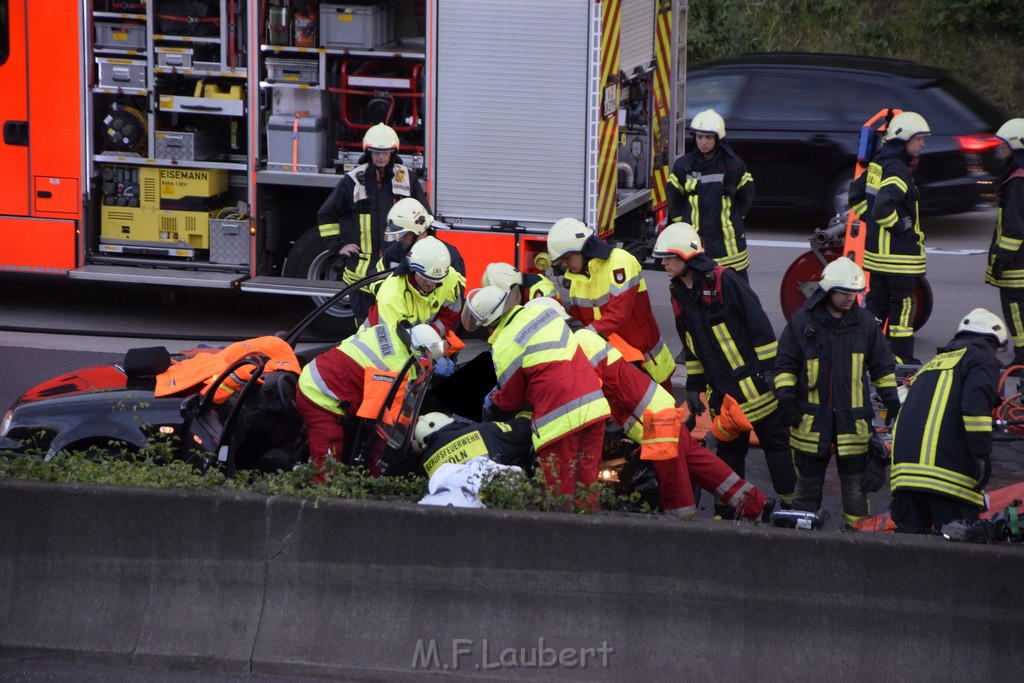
649 416
538 363
353 380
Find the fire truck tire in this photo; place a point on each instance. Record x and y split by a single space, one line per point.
310 259
802 276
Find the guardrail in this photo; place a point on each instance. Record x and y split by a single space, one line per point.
368 590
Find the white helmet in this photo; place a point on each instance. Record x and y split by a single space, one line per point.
485 306
709 121
547 302
428 339
567 236
844 275
430 258
427 425
678 239
981 321
408 215
905 126
502 275
1012 133
380 138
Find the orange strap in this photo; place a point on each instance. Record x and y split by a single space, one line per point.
630 353
661 434
376 385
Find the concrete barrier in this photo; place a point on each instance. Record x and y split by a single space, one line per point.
392 591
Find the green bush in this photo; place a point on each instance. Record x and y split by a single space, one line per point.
152 468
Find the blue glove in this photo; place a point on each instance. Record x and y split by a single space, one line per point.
444 367
488 403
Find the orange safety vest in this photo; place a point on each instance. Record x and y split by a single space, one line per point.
661 434
376 385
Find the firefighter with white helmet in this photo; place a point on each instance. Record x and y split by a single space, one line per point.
408 222
648 415
526 286
353 219
942 441
711 189
827 353
353 379
442 439
885 199
731 346
423 289
607 292
1006 254
539 364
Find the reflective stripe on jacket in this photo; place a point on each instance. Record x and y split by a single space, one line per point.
629 391
731 342
882 197
1008 238
334 379
946 422
824 364
612 297
399 299
713 196
356 212
539 363
506 443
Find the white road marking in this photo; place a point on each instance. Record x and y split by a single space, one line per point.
805 245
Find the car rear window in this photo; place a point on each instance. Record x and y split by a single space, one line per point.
712 91
971 106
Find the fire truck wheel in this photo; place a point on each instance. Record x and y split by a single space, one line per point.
309 259
801 280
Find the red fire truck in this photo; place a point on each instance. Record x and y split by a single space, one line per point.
191 142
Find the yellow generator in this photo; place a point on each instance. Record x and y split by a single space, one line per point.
165 210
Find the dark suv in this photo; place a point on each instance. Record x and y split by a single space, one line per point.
795 119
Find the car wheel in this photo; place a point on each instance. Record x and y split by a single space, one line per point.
837 201
801 280
310 259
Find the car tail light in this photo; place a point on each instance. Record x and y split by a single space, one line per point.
976 144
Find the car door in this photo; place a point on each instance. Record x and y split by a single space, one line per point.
785 127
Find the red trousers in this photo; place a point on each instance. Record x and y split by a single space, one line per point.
574 458
699 465
323 430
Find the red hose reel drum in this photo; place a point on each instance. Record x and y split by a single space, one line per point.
802 276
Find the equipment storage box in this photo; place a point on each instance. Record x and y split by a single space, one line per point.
308 154
229 242
154 228
197 58
121 73
194 145
363 26
120 36
293 71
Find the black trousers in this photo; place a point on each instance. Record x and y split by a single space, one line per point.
917 512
